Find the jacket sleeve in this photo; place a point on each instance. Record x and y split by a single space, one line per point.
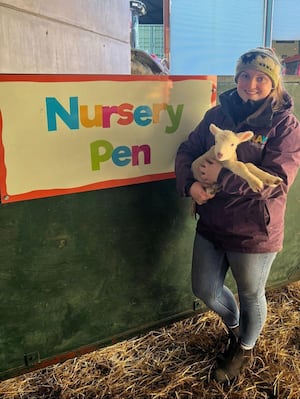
188 151
281 158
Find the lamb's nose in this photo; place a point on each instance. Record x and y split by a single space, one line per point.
219 155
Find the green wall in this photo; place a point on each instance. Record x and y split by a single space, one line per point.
84 270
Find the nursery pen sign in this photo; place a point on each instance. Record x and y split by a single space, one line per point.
64 134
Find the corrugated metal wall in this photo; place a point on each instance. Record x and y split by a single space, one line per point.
70 36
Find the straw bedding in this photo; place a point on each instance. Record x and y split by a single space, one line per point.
176 362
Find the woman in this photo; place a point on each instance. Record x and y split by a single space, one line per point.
239 228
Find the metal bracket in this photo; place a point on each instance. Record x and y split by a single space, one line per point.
31 358
197 304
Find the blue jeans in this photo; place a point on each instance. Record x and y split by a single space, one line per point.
250 271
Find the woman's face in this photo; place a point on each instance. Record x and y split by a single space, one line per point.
253 85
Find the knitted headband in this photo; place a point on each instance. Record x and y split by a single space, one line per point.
262 59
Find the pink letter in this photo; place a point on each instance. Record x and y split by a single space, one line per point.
107 112
136 149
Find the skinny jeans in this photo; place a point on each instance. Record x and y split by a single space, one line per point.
250 271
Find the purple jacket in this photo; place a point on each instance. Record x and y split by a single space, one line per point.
238 219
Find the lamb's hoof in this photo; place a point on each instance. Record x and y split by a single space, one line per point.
256 187
274 182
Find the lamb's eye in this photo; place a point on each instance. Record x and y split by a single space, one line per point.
232 145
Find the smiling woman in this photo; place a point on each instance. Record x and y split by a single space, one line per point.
253 85
237 228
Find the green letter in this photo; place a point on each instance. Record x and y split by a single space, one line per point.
101 151
174 117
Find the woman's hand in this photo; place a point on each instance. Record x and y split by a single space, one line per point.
198 193
209 171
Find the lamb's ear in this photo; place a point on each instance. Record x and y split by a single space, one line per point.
245 136
214 129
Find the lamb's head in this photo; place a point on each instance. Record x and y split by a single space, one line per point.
227 141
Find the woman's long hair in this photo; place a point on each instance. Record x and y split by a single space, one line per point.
278 100
280 97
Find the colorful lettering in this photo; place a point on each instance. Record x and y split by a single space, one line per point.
102 115
103 150
260 139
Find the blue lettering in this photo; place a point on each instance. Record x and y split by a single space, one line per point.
53 108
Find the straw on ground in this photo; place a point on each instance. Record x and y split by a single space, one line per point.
176 362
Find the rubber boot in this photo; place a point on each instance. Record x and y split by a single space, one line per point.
233 364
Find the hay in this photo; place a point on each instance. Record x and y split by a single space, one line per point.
177 363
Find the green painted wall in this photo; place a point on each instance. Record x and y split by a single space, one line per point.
87 269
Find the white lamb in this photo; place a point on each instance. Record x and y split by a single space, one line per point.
224 151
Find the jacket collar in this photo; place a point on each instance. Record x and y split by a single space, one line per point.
255 117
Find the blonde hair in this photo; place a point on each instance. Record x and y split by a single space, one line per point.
278 96
277 99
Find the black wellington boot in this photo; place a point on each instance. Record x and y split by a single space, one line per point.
233 365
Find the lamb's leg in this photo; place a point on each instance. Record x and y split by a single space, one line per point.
198 161
196 172
240 169
266 177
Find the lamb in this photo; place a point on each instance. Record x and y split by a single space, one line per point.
224 151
